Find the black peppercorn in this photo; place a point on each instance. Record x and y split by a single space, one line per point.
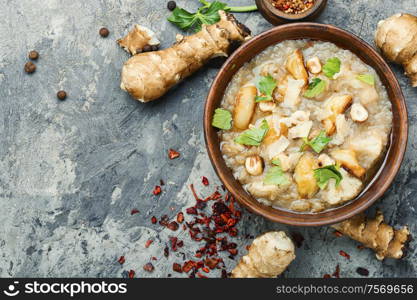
61 95
171 5
362 271
33 55
30 67
104 32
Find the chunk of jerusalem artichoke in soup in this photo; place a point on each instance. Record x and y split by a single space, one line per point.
244 106
304 176
295 65
347 159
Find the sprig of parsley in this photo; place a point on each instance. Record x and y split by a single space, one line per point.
222 119
206 14
367 78
315 88
266 86
253 136
318 143
323 175
275 174
332 67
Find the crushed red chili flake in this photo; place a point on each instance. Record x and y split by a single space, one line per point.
172 154
362 271
157 190
148 267
148 243
131 274
360 247
173 226
344 254
121 260
201 275
161 182
180 217
211 262
204 180
188 266
191 211
338 233
327 276
206 270
336 273
194 192
166 251
232 251
293 6
154 220
154 258
134 211
177 267
180 243
224 273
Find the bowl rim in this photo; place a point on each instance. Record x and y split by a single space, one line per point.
329 216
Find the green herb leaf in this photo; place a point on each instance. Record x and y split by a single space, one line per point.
367 78
253 136
276 162
207 14
222 119
266 86
315 88
318 143
275 175
332 67
323 175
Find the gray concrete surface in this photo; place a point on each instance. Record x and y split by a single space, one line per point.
70 172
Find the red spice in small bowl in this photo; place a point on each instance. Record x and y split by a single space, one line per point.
293 6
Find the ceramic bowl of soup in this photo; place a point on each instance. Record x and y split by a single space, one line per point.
306 124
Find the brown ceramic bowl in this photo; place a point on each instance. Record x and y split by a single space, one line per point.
277 17
391 164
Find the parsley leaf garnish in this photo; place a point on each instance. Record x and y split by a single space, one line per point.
253 136
222 119
331 67
207 14
318 143
266 86
275 174
367 78
315 88
323 175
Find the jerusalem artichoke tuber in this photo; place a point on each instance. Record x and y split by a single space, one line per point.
396 37
375 234
269 255
148 76
138 39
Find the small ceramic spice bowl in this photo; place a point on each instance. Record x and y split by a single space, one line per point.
276 16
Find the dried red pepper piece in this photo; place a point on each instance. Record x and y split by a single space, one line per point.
177 267
172 154
362 271
180 217
157 190
131 274
134 211
327 276
188 265
148 243
205 181
173 226
338 233
148 267
121 260
337 272
344 254
154 220
191 211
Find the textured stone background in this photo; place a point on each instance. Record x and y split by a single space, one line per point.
70 172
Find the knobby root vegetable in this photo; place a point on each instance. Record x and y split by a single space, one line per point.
148 76
269 255
396 37
386 241
137 39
